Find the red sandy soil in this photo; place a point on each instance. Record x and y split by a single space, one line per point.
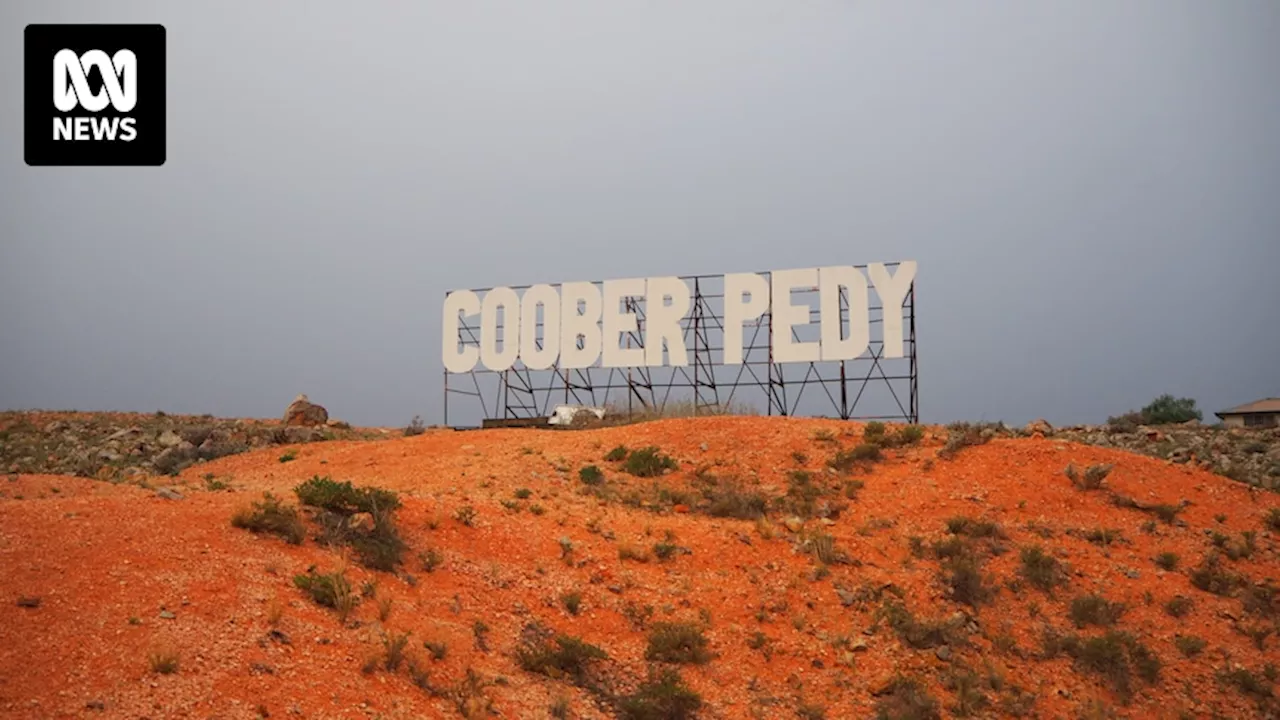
105 560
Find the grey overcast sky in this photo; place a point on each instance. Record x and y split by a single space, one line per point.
1091 189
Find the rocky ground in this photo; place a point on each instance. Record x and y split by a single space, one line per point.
123 446
723 567
1246 455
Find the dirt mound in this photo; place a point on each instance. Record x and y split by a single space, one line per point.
716 567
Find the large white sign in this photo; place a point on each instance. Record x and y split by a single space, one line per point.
582 324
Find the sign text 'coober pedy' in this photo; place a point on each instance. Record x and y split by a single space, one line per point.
583 322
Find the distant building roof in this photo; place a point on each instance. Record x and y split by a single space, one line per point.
1265 405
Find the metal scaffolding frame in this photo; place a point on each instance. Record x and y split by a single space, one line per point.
522 393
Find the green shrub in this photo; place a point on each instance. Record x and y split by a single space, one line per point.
648 462
270 516
662 697
1041 569
556 656
342 497
856 457
1167 560
617 454
678 643
1095 610
1211 577
1178 606
1190 645
331 590
590 475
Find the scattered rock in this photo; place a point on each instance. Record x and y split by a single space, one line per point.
168 493
303 412
166 615
28 602
943 653
1039 427
338 424
95 705
169 439
794 524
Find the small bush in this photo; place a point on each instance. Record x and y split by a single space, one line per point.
1041 569
1167 560
163 661
663 697
1095 610
289 456
664 550
873 432
969 527
907 699
968 585
648 462
1102 536
678 643
732 499
1273 519
270 516
1211 577
855 457
342 497
1189 645
961 435
617 454
465 515
572 602
1178 606
1246 682
393 648
916 633
590 475
332 591
556 656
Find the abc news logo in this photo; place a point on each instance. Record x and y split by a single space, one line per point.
108 100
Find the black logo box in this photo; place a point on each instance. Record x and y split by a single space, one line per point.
42 42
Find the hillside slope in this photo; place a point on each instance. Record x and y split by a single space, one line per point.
779 568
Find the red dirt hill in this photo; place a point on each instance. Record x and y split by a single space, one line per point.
774 568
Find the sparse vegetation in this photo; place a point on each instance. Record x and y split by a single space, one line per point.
1040 569
647 462
590 475
1189 645
270 516
1179 606
1095 610
664 696
675 642
1211 577
331 590
164 660
906 698
556 655
1167 560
